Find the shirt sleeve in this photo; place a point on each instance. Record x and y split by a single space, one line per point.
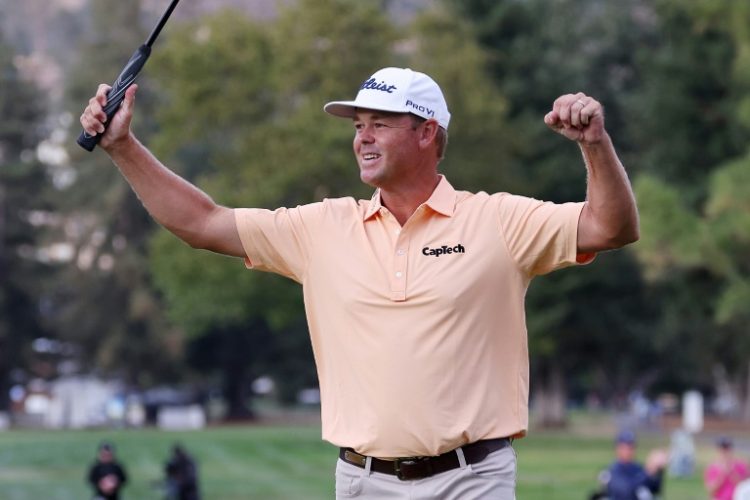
541 236
277 241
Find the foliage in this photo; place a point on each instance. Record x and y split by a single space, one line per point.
23 183
686 61
713 244
482 142
693 202
103 301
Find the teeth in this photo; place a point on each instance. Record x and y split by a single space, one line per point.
370 156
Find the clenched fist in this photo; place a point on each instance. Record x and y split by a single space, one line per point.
578 117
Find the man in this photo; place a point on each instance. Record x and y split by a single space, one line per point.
182 475
626 479
106 475
724 474
414 298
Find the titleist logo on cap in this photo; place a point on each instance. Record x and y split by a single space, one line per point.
372 84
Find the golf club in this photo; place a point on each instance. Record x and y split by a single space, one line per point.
127 77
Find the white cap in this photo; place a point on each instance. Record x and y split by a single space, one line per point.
398 90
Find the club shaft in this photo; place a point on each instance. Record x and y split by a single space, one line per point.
161 23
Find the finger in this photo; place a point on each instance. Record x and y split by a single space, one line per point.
568 108
101 93
129 101
592 109
85 125
90 124
96 109
575 112
564 108
552 119
96 115
586 113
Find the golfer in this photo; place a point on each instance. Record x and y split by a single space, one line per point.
415 297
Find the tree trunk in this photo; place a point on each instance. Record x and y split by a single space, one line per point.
746 407
549 408
237 394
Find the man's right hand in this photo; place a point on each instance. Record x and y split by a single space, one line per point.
108 484
94 117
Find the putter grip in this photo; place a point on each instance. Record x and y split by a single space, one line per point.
116 94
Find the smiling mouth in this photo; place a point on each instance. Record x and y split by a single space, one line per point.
370 156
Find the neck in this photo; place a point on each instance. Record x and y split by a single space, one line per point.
404 199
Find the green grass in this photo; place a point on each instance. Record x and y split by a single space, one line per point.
264 462
562 466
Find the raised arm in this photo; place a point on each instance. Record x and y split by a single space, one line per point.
610 217
172 201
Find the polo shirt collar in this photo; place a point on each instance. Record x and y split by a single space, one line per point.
442 200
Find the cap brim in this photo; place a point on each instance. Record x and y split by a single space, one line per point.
348 109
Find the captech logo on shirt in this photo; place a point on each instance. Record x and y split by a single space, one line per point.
443 250
372 84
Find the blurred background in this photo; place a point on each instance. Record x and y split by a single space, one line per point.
108 321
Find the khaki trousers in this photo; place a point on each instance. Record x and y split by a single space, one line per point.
493 478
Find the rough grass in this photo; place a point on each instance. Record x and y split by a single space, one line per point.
283 462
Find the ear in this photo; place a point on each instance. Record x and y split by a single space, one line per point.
427 133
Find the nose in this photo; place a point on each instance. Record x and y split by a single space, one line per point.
365 134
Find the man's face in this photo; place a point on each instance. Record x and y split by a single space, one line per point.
725 452
625 452
105 455
386 146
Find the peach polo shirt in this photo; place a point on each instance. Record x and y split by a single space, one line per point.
418 332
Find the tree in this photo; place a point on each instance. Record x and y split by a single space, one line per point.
695 88
482 148
709 247
580 322
102 300
22 197
682 115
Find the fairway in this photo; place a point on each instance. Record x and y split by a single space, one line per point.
280 462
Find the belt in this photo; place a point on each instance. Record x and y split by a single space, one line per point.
420 467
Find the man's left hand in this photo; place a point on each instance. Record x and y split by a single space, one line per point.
657 461
578 117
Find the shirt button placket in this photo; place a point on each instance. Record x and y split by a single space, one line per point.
400 261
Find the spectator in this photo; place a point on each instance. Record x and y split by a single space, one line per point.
626 479
106 475
726 472
182 476
681 454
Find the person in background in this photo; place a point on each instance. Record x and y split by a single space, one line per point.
182 476
724 474
106 475
626 479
